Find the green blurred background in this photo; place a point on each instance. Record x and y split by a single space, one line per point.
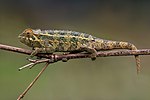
109 78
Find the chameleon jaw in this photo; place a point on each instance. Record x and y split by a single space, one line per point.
25 40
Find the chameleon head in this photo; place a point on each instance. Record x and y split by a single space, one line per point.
26 37
29 37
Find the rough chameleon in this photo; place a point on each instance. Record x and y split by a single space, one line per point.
50 41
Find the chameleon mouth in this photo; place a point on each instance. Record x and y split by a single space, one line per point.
25 40
21 37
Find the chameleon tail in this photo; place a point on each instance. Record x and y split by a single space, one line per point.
137 58
108 45
130 46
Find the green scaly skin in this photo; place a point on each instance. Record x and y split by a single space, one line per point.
50 41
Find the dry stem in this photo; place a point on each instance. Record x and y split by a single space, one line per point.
32 83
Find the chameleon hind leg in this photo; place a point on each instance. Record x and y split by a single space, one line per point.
90 50
87 49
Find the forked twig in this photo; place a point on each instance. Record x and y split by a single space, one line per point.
33 63
32 83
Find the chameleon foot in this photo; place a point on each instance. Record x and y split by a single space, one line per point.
93 56
64 59
90 50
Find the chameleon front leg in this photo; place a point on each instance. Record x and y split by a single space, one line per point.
45 50
36 51
42 50
90 50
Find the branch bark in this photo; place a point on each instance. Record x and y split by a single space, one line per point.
58 57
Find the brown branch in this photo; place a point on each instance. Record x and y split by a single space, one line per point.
15 49
78 55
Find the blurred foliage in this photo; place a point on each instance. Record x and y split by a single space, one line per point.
112 78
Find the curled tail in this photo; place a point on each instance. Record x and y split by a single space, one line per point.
130 46
108 45
137 58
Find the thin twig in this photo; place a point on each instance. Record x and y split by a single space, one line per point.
33 63
32 83
37 61
28 65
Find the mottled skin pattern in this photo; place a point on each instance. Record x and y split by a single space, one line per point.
50 41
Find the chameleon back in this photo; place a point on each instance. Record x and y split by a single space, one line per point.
59 40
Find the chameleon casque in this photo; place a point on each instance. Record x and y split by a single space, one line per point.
50 41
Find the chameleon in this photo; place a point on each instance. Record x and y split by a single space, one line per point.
50 41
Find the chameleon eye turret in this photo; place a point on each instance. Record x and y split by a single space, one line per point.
28 32
26 37
50 41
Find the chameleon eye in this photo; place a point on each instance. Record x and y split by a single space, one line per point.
28 33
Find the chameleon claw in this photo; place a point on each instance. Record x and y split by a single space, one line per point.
64 59
93 56
27 58
39 57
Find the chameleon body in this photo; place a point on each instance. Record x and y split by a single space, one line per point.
50 41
